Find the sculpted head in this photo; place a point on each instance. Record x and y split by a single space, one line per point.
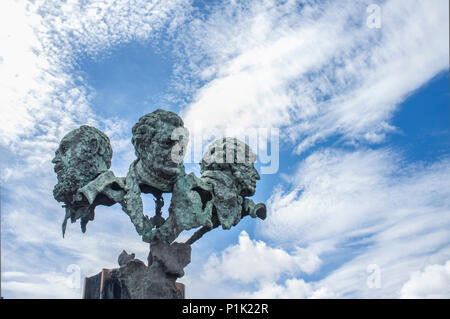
155 138
82 155
234 157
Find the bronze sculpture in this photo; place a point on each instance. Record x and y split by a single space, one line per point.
218 197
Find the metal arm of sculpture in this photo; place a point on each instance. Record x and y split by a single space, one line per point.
250 208
218 171
217 198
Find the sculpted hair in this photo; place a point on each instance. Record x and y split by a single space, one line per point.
216 157
147 126
87 132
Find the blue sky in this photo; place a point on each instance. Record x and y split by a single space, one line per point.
362 186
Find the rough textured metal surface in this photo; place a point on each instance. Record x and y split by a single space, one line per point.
82 155
172 257
154 138
136 280
228 166
154 171
91 289
105 185
217 198
190 207
124 258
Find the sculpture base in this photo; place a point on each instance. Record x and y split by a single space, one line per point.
135 280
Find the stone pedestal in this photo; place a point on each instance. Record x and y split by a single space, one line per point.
135 280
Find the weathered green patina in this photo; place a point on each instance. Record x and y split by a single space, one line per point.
81 164
216 198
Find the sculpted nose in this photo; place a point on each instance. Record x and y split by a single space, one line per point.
56 159
257 177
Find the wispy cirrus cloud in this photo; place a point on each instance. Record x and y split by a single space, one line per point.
42 98
292 289
314 69
317 71
370 207
352 210
335 191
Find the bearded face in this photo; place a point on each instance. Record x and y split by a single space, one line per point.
246 176
157 155
232 155
76 164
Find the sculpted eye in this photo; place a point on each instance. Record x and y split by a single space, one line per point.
169 142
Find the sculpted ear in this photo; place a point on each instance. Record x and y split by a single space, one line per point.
93 146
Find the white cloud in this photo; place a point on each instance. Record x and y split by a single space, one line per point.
368 208
34 253
353 209
292 289
41 99
433 282
44 285
42 96
253 261
37 96
316 72
332 192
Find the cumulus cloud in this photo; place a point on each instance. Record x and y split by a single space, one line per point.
370 207
335 192
252 260
433 282
353 209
